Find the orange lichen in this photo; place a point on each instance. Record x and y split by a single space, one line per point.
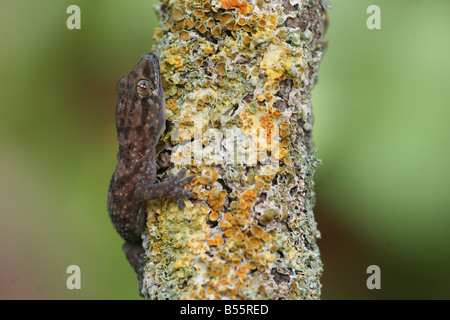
226 19
245 8
199 13
216 198
257 231
250 194
219 240
224 225
242 271
228 216
216 30
204 180
213 216
221 68
188 23
239 236
254 242
229 4
177 14
266 237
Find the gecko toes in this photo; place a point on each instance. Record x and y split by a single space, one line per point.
180 203
181 174
178 178
178 182
185 192
186 180
179 193
175 177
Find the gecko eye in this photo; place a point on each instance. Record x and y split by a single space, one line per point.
144 87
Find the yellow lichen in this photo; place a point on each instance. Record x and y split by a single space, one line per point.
275 61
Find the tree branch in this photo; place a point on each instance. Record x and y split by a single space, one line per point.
238 77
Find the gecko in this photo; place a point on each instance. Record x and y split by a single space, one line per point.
140 120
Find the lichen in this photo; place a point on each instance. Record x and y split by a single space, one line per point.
237 77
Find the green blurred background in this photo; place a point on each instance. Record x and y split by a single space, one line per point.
381 127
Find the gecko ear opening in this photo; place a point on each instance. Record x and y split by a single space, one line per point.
121 85
144 87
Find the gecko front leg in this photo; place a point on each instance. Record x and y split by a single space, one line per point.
172 187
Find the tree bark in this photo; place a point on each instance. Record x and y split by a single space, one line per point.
238 77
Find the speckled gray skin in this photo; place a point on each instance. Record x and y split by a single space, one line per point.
140 121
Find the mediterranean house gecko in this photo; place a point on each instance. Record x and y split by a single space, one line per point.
140 121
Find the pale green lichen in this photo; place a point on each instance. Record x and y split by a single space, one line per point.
237 77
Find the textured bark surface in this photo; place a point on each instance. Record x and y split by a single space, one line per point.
237 77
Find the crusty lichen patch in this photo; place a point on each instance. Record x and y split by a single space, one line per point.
237 77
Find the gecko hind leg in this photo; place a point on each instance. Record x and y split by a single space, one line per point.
135 256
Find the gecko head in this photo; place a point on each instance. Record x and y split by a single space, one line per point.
141 102
143 81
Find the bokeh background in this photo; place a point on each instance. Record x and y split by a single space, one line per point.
381 129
